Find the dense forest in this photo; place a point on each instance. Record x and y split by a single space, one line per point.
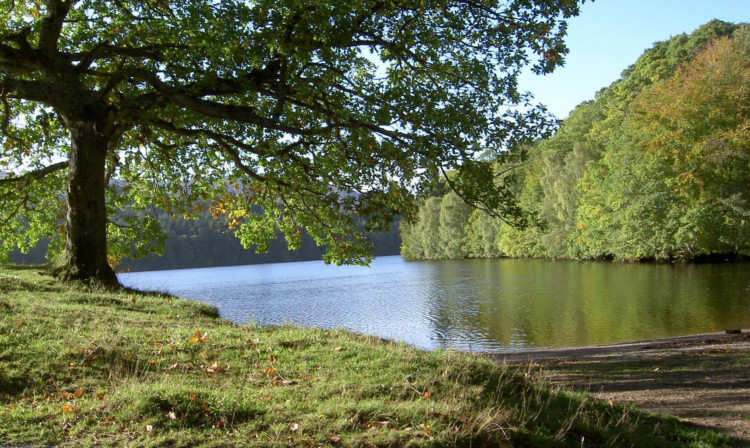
657 167
207 241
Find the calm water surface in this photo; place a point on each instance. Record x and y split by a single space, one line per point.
474 304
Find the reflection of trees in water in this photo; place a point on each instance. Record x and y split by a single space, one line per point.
492 304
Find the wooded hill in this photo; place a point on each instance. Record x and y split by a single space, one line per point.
657 167
205 241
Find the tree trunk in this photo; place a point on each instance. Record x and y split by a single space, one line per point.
86 221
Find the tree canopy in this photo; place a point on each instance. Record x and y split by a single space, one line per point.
314 113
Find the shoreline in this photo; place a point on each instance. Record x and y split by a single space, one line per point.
597 351
700 378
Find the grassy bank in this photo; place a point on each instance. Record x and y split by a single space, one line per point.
81 366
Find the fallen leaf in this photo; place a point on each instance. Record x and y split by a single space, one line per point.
198 337
78 393
67 409
217 368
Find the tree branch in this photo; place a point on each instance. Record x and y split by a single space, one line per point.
52 24
15 61
43 92
242 114
34 175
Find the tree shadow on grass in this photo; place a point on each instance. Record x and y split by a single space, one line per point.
708 385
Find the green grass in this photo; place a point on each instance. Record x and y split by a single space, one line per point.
81 366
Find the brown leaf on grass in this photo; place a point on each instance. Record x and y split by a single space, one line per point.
67 409
217 368
198 337
78 393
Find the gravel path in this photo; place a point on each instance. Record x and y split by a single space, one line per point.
704 379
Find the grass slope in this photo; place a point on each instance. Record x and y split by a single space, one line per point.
81 367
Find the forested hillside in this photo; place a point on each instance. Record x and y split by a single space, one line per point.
205 241
657 167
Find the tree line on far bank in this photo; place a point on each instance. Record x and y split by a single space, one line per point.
657 167
206 241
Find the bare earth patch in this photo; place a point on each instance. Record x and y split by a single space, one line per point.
704 379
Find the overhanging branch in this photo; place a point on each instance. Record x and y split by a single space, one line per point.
37 174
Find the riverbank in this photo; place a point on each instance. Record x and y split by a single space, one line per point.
699 378
82 366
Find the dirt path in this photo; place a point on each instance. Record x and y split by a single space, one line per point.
704 379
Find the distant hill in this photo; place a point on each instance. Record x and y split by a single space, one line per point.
205 242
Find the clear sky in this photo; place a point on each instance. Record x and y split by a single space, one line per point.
609 35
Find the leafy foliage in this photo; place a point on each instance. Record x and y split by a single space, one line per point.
323 112
655 168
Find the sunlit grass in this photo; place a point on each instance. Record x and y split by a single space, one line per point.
81 366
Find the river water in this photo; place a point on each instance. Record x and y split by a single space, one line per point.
475 305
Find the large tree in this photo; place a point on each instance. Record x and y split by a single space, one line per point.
319 112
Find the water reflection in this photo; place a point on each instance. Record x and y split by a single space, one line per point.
475 304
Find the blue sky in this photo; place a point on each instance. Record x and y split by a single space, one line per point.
609 35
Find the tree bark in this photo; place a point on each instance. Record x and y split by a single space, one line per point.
86 220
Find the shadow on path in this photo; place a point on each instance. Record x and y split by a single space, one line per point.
704 379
